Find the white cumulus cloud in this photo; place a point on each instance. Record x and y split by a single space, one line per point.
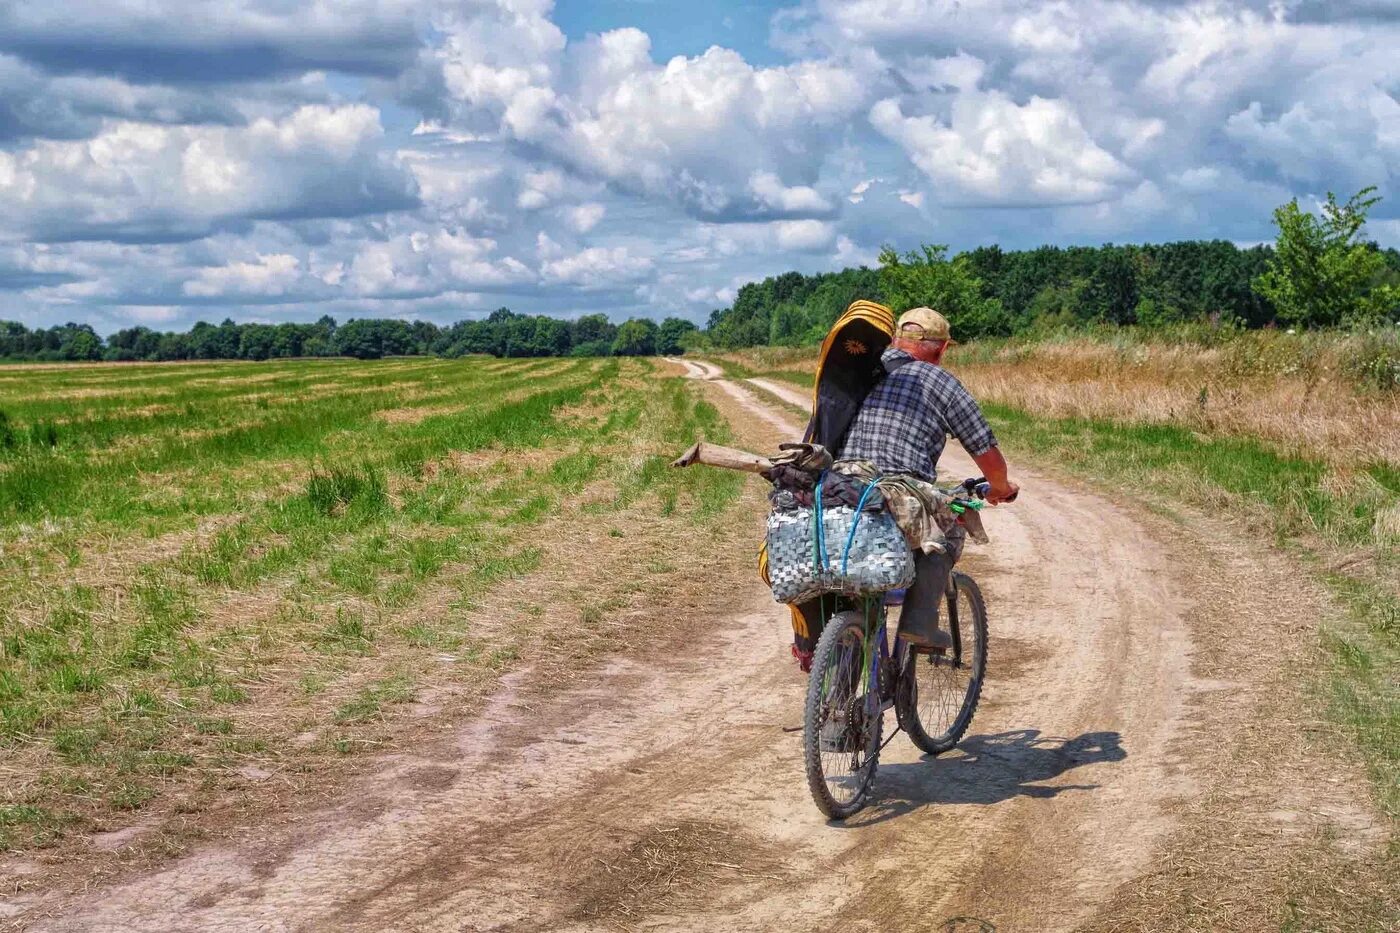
596 267
994 151
268 275
803 236
712 133
143 181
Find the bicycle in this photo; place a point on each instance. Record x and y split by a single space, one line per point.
856 677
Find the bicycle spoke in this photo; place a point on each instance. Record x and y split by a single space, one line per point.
945 690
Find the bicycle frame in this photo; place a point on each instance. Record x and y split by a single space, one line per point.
879 654
881 657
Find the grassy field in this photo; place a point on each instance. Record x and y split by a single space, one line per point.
215 576
1296 438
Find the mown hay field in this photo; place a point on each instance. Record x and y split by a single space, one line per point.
218 581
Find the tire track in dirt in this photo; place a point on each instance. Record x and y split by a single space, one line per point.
1069 779
788 393
697 369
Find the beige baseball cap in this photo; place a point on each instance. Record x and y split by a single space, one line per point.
923 324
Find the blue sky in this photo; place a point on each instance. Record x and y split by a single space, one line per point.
679 28
165 161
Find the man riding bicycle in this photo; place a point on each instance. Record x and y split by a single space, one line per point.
901 428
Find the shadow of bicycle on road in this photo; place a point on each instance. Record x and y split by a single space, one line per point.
987 769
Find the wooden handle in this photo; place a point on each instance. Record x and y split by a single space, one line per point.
726 458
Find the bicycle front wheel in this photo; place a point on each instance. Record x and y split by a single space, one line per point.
938 693
841 720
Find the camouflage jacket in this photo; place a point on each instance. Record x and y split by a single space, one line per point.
919 508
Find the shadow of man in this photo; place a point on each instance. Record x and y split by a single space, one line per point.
987 769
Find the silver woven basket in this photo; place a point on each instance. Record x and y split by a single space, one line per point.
800 567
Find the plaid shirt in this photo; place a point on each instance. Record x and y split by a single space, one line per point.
905 420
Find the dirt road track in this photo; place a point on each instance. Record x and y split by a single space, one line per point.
668 796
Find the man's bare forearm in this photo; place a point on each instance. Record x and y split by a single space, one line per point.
993 466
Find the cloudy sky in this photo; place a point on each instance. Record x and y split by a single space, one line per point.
165 161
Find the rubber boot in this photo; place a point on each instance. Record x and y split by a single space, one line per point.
918 621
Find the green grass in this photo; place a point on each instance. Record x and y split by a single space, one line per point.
359 489
1286 499
192 543
348 633
370 701
29 826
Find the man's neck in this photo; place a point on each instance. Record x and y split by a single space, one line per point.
920 350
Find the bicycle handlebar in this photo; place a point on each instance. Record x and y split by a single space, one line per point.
978 488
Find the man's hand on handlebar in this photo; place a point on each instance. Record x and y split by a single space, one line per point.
1005 492
982 488
993 465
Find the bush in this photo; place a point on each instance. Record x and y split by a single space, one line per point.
592 348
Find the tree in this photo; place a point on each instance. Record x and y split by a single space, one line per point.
256 341
671 335
79 342
1111 293
787 324
1321 273
948 286
592 329
834 295
637 337
365 339
173 347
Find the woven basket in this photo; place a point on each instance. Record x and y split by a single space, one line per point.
806 560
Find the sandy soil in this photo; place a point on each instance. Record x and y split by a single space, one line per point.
668 795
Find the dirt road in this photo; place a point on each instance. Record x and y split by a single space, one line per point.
667 795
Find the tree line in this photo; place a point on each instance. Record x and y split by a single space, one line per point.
504 333
989 291
1319 273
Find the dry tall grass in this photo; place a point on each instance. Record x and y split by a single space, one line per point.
1325 419
1300 393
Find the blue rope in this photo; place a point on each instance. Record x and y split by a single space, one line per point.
822 558
855 523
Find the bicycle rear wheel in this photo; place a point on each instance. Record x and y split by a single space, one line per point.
938 693
840 733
